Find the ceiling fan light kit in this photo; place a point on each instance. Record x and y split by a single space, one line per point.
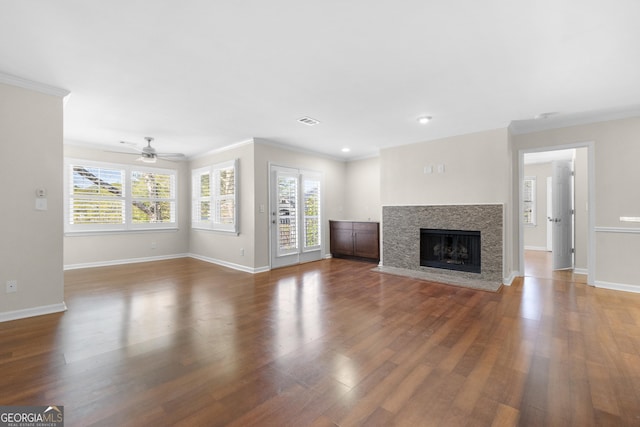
148 154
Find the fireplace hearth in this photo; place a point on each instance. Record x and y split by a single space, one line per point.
450 249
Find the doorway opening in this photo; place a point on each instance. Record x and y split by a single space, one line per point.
556 220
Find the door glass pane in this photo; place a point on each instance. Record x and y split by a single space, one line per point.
311 213
287 214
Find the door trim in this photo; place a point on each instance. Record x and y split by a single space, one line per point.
302 255
549 214
591 192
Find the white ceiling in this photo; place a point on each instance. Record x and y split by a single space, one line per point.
199 75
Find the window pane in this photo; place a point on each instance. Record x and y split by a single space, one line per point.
287 213
86 211
205 211
97 181
311 198
227 182
151 185
312 232
226 211
529 198
152 212
311 213
205 185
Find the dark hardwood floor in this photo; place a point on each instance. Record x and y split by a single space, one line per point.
329 343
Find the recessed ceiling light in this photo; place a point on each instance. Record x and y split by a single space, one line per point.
346 149
545 115
423 120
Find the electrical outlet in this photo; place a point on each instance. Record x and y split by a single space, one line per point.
241 252
12 286
154 245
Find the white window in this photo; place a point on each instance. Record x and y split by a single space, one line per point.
529 198
215 197
112 197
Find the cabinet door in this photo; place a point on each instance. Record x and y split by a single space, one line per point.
366 241
341 238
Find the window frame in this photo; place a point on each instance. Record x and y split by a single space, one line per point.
531 204
127 198
214 198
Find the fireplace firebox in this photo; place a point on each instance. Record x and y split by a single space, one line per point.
450 249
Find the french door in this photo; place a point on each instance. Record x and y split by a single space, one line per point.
295 209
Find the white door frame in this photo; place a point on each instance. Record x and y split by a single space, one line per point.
302 256
591 183
549 213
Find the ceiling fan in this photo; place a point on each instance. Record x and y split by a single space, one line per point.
149 154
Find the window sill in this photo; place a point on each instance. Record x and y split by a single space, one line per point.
105 232
210 230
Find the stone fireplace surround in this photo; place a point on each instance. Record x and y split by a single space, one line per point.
401 241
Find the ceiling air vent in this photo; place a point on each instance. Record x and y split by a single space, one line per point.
308 121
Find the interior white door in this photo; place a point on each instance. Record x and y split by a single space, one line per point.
562 220
295 216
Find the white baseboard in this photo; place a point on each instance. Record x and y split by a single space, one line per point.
536 248
617 286
123 261
580 271
508 281
32 312
238 267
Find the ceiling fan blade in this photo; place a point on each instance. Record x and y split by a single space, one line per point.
172 155
122 152
131 146
148 153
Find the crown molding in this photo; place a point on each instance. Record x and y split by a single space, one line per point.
295 149
522 127
221 149
12 80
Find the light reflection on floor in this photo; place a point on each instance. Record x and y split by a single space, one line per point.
297 312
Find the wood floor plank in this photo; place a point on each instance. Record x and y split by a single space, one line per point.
329 343
506 416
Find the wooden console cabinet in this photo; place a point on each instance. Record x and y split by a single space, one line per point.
355 239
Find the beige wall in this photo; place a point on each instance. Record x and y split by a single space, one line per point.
476 168
616 150
99 249
333 193
31 243
249 249
362 190
236 250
